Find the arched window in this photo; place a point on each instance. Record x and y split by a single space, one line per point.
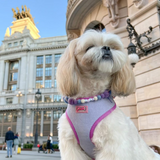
96 25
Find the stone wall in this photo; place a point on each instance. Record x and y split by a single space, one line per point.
143 106
147 74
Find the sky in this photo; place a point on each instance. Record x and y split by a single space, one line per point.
50 16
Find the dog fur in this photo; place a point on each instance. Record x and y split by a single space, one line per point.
82 72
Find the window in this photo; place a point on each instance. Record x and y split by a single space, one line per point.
57 57
39 72
39 60
9 100
46 129
57 114
55 130
96 25
9 44
55 83
47 115
13 87
99 27
48 59
48 71
21 42
14 65
39 84
47 98
104 30
57 98
1 117
48 83
14 117
7 117
13 76
15 43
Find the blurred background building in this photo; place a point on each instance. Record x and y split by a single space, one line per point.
28 63
143 106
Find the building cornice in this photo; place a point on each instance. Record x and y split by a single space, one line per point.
11 107
3 53
49 47
19 37
41 106
33 106
27 49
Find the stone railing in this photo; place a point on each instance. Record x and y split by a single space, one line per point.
52 105
43 90
49 44
11 107
9 92
71 5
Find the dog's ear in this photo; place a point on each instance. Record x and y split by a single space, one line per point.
67 78
123 81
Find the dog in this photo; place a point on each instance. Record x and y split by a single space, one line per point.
93 64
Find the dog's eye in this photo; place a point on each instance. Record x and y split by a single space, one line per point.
89 48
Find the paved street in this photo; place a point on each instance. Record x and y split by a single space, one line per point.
26 155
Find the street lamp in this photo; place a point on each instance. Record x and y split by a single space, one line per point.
133 35
38 96
19 95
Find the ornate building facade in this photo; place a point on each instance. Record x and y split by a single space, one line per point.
143 106
28 63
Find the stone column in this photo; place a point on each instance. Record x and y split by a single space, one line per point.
42 98
53 65
28 124
51 124
19 72
23 79
32 123
19 124
61 111
52 98
44 62
2 65
34 71
6 75
41 132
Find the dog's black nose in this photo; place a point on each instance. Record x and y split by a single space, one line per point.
106 52
106 48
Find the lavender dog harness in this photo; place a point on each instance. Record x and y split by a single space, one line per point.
83 119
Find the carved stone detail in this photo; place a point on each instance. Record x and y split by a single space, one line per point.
3 47
113 11
71 3
71 35
24 14
114 24
138 3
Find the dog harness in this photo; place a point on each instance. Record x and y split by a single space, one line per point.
83 119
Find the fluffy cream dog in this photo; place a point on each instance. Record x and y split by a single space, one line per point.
90 65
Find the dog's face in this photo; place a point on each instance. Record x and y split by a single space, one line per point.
98 57
99 53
